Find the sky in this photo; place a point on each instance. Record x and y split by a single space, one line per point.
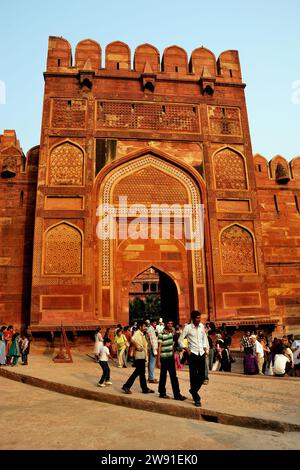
266 33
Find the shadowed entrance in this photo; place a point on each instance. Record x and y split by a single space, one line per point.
153 294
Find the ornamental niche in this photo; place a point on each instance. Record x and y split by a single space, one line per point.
66 166
63 250
237 251
229 168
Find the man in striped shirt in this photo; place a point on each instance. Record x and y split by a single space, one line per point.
166 363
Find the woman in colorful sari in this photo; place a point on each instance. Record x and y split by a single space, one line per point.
14 350
2 347
8 334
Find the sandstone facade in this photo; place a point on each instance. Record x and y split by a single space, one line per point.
163 131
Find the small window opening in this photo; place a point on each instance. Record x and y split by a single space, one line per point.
194 109
118 65
163 108
276 204
297 204
176 68
58 62
230 73
145 287
70 103
21 198
153 287
259 168
132 107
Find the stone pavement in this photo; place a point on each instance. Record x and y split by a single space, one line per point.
251 401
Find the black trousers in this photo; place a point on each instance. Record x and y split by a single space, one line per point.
197 374
168 365
106 372
140 369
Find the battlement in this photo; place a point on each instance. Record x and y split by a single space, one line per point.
146 60
278 170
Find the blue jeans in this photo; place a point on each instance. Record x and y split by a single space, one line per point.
151 365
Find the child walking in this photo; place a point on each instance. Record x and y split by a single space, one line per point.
104 355
24 343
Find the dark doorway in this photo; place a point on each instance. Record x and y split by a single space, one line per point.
153 294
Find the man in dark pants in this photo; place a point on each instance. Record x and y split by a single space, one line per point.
140 345
198 350
166 363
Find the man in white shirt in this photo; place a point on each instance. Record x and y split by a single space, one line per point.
259 351
197 350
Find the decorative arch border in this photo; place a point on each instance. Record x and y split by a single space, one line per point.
59 144
254 250
44 239
238 152
146 160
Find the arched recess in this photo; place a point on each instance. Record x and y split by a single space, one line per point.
109 260
163 298
229 169
66 165
62 250
238 252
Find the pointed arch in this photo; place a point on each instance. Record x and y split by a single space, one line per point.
62 253
278 159
66 164
238 253
229 169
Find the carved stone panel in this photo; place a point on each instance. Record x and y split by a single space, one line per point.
66 166
68 113
237 251
224 120
229 168
143 116
63 250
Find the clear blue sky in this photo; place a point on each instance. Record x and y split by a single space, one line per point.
266 33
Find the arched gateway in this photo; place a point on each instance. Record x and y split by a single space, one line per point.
132 237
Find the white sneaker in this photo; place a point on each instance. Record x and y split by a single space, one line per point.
100 385
108 382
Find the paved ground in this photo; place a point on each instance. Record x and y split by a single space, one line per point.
38 419
261 397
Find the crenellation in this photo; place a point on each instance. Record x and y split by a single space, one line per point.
201 59
117 56
59 54
88 55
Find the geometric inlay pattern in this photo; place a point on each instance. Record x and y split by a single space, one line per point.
63 250
139 188
66 165
237 249
68 114
139 116
224 121
229 169
141 163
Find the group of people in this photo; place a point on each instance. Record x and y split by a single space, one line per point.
281 358
158 344
13 346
